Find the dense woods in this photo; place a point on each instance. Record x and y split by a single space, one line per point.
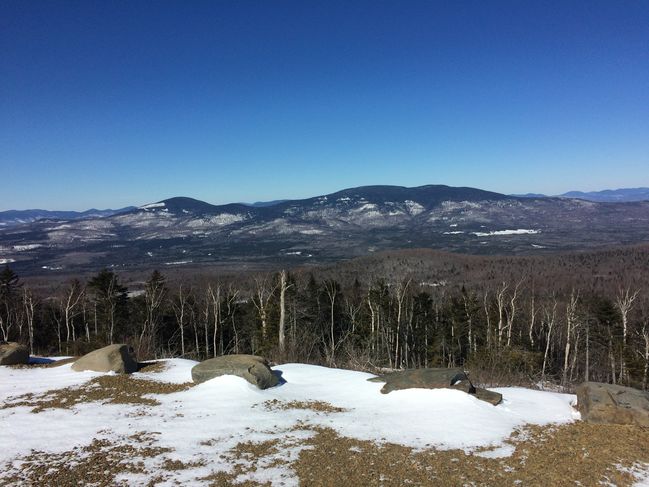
517 326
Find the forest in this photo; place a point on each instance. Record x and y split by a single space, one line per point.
518 326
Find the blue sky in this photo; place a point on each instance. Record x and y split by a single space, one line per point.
112 103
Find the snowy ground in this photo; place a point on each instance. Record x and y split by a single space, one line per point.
201 424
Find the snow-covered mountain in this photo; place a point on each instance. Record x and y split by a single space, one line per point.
18 217
341 225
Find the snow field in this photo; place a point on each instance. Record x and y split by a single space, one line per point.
204 422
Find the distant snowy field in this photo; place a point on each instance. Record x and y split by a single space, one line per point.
205 421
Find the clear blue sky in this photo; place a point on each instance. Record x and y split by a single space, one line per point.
111 103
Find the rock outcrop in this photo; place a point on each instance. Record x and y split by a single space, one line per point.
113 358
12 353
612 404
435 378
250 367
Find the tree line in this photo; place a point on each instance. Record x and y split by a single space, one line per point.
512 331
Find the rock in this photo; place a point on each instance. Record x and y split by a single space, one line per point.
607 403
250 367
113 358
12 353
434 379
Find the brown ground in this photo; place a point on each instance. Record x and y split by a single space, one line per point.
116 389
574 454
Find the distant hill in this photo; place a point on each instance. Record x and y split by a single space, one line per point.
605 196
17 217
263 204
611 195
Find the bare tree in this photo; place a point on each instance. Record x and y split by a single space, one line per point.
485 304
264 290
511 311
401 290
571 325
500 304
155 292
29 305
230 306
332 290
550 319
624 303
181 309
70 307
214 294
283 287
533 311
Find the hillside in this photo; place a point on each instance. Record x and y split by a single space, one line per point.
350 223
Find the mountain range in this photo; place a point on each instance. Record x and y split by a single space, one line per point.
621 195
183 231
18 217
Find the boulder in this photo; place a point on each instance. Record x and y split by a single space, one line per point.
12 353
434 379
250 367
607 403
113 358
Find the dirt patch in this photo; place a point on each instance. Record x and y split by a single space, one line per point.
247 457
114 389
225 479
575 454
99 463
152 367
317 406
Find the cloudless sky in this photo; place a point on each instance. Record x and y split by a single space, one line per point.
112 103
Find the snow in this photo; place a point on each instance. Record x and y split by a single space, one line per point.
413 207
365 207
7 261
152 205
199 424
519 231
221 219
21 248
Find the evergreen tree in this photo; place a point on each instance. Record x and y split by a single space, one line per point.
109 299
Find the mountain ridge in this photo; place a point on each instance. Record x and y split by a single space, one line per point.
326 228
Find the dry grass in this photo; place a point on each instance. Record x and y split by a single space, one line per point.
575 454
152 367
115 389
316 406
99 463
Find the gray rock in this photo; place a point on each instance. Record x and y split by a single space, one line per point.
250 367
113 358
434 378
611 404
12 353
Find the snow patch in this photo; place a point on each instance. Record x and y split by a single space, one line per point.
152 205
21 248
413 207
519 231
